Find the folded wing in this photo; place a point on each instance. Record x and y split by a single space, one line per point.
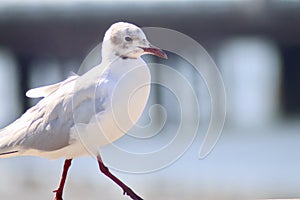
49 89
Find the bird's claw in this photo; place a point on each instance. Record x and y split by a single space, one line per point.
127 191
57 195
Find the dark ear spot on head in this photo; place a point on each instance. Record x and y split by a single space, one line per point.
113 38
127 31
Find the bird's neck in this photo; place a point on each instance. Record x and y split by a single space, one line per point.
108 53
121 67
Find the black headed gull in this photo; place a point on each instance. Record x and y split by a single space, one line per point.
82 113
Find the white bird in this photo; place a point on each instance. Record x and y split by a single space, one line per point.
83 113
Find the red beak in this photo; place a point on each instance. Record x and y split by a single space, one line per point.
155 51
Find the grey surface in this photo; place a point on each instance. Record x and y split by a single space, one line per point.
245 164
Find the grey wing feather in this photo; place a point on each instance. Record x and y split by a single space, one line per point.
41 127
46 126
47 90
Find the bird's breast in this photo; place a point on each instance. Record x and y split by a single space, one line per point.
126 93
129 92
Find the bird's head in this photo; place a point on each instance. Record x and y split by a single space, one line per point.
126 40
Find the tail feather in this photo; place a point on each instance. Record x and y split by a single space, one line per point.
6 150
7 153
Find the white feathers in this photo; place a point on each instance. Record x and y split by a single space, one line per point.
71 112
47 90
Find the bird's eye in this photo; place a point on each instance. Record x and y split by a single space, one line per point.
128 39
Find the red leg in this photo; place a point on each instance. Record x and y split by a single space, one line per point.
126 189
59 191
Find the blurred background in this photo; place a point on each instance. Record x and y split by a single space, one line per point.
255 44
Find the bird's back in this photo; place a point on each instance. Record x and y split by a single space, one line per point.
39 125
